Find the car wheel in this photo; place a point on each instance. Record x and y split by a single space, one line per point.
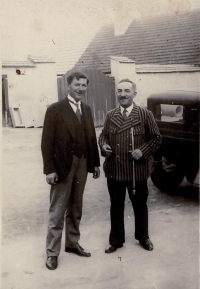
191 175
164 180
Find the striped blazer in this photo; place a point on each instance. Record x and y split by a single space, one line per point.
117 133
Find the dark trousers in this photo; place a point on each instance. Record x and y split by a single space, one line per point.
66 201
117 191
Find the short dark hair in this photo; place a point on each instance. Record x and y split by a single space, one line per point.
77 75
128 80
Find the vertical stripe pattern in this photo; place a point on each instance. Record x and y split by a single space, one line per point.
117 133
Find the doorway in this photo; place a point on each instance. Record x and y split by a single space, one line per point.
5 103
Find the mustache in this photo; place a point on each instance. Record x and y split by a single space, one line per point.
123 97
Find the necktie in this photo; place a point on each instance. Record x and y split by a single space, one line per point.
124 114
78 112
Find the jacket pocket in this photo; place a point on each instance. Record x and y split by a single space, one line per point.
138 131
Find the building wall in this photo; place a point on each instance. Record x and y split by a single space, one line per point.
20 87
32 91
148 83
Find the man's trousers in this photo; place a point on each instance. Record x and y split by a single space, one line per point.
66 200
117 191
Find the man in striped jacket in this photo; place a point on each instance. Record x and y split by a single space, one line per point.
126 166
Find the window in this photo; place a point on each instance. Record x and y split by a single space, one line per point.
170 113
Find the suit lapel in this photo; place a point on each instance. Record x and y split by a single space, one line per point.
69 117
117 118
135 115
132 120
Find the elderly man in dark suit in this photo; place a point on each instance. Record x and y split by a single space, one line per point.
124 125
70 151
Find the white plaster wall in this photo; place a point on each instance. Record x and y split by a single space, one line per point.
148 83
20 87
46 82
115 68
45 90
32 91
155 82
121 71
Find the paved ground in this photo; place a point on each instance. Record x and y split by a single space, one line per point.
173 218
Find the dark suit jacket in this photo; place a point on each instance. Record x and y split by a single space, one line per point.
59 133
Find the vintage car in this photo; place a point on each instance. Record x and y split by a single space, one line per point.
177 116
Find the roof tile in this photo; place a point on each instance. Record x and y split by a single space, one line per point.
164 40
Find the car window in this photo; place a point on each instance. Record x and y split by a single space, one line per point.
170 113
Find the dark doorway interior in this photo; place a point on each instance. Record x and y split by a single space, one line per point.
5 103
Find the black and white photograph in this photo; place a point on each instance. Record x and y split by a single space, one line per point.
100 144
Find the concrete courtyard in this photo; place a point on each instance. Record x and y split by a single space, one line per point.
173 224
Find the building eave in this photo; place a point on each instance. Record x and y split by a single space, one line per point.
40 59
158 68
18 64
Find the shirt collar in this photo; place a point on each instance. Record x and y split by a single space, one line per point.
129 109
72 99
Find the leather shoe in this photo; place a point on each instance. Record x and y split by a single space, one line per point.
147 244
112 249
52 262
78 251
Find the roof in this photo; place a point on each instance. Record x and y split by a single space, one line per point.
30 62
62 50
123 59
67 53
158 68
18 64
161 40
40 59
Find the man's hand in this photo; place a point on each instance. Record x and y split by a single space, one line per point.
107 149
96 173
136 154
52 178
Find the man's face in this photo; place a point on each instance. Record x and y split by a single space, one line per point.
77 88
125 93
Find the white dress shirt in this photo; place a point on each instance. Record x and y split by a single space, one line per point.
74 107
129 109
